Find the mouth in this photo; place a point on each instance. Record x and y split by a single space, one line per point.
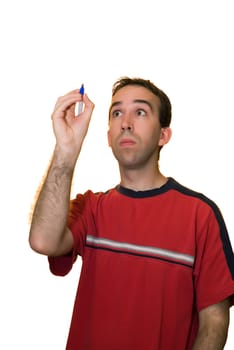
126 142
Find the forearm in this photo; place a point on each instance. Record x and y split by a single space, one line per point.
49 219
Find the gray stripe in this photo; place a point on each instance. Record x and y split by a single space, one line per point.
140 249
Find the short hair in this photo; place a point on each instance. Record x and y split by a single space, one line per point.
165 104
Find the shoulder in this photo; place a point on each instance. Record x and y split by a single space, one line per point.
196 196
91 197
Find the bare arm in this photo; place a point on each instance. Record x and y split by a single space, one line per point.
213 327
49 234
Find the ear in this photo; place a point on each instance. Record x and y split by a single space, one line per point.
165 136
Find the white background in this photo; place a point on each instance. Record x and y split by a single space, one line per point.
50 47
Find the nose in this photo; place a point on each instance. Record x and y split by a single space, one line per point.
127 124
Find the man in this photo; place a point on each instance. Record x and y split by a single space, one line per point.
158 267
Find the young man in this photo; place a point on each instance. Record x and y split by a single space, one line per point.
158 267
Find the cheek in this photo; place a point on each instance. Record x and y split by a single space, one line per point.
112 134
109 138
149 131
153 137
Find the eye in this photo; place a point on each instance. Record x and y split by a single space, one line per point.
141 112
116 113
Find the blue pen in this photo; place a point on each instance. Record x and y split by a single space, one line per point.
80 105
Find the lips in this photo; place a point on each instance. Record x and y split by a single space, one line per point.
127 142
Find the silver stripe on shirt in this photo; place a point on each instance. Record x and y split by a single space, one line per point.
157 252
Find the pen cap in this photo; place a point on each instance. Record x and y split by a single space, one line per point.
82 89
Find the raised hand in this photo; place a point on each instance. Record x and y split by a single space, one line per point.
70 129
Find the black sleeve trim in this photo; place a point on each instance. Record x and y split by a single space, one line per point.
227 247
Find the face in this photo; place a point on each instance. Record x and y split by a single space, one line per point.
135 134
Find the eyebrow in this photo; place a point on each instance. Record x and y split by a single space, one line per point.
118 103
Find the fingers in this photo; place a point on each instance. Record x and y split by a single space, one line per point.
65 105
89 105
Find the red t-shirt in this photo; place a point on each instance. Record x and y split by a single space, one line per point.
151 261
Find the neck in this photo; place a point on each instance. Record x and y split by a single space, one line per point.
140 180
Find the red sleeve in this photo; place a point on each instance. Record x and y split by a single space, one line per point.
214 266
79 215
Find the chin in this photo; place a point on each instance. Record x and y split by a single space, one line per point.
130 164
